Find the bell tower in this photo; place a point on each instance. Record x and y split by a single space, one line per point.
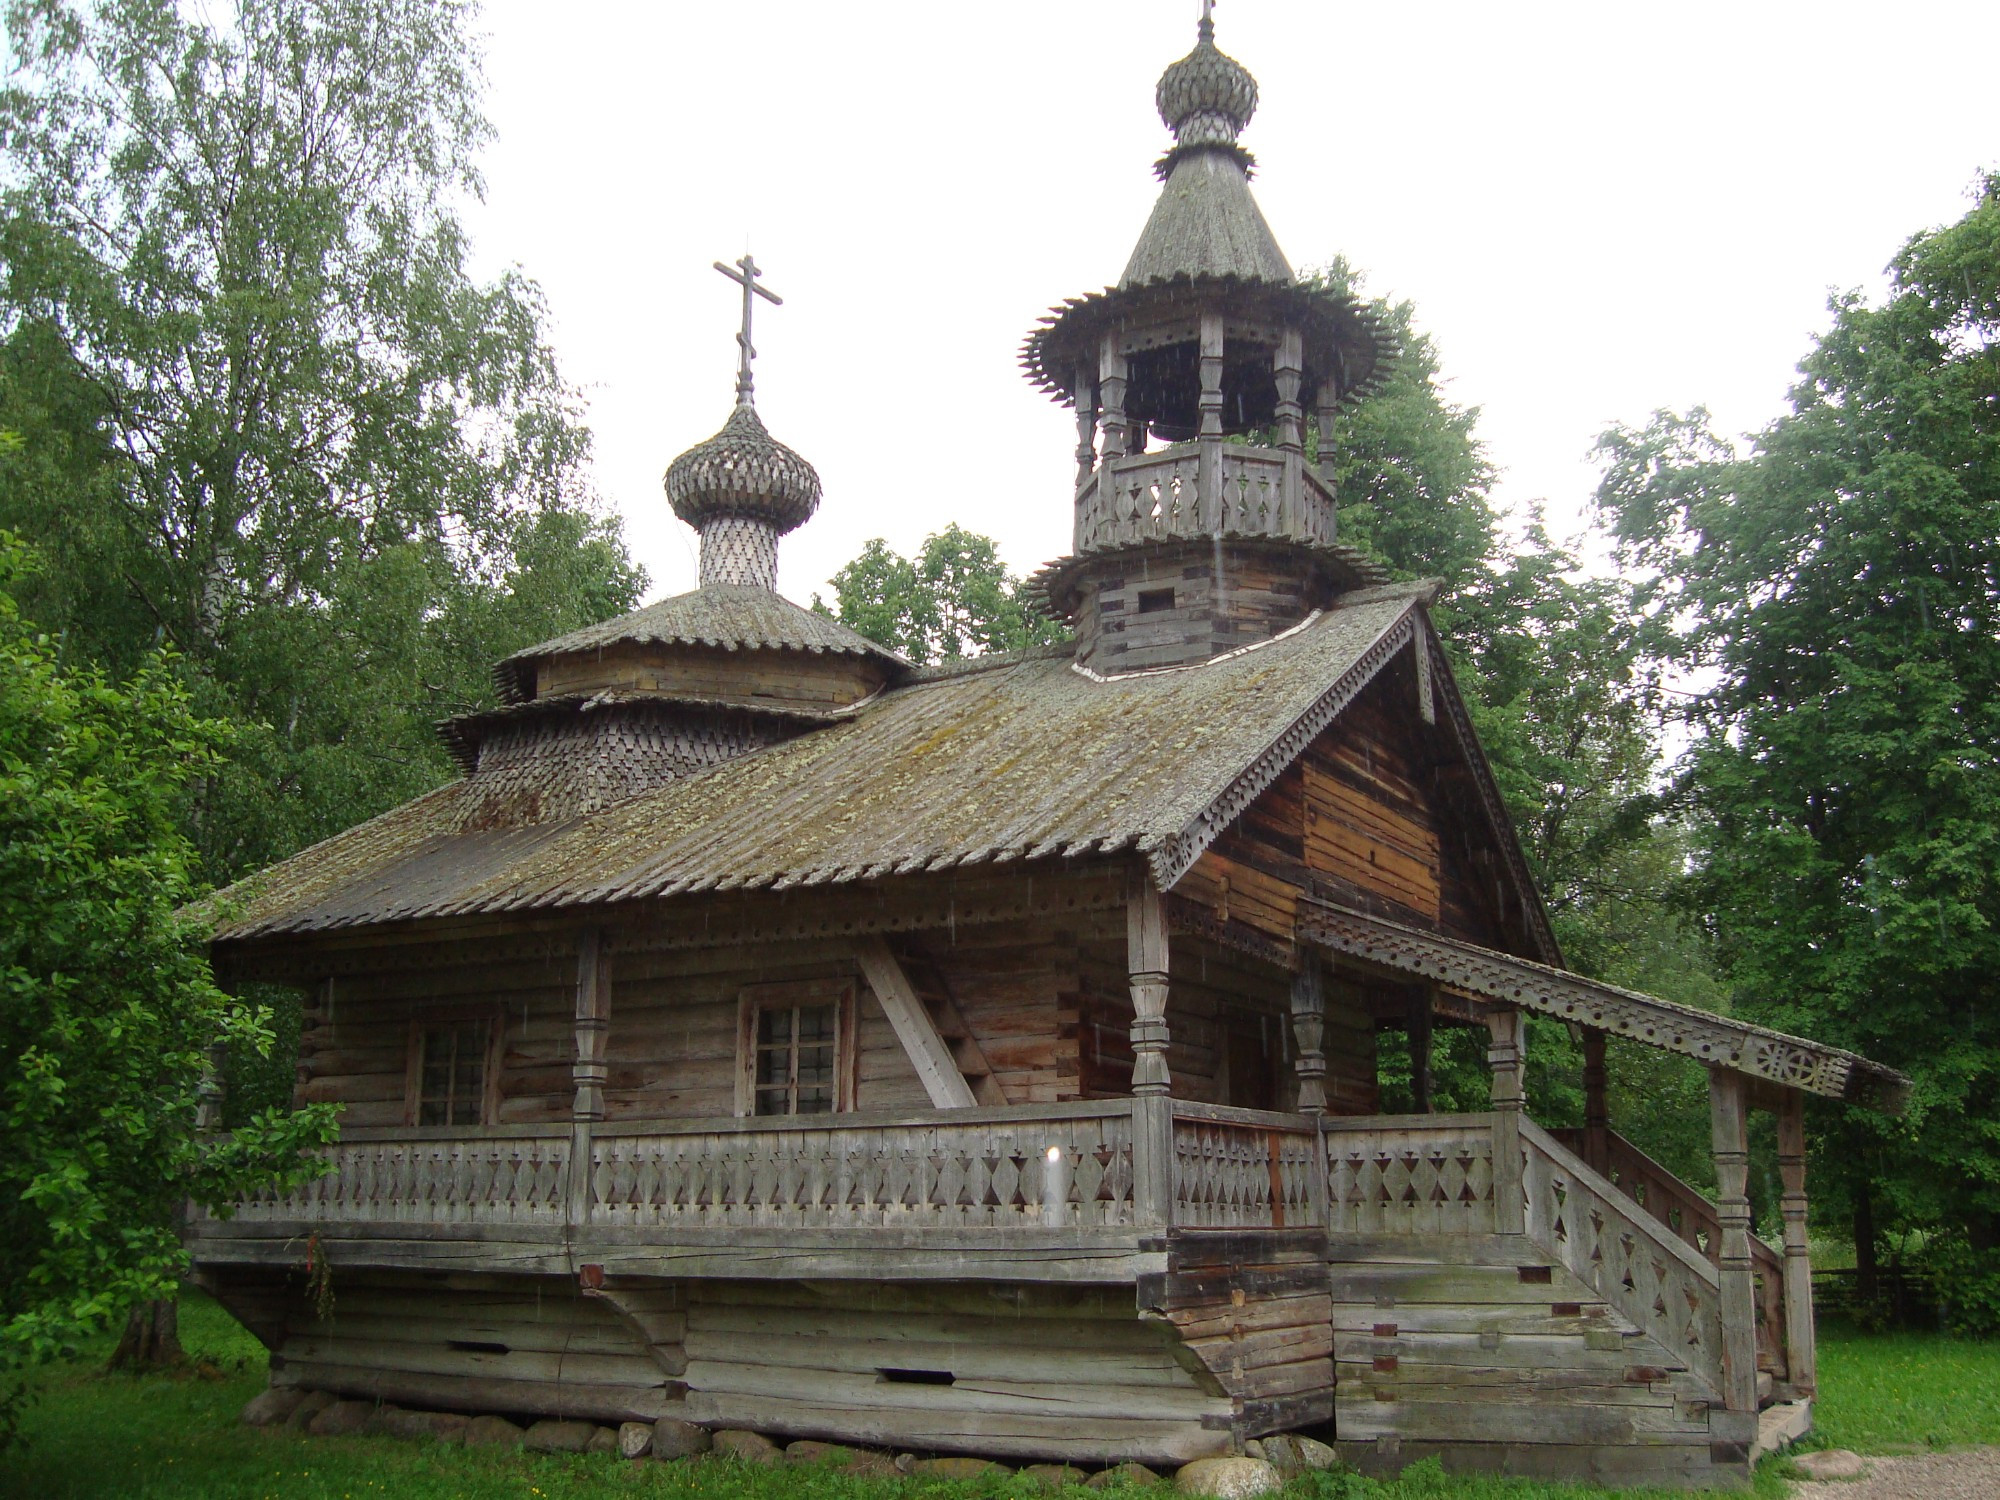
1200 527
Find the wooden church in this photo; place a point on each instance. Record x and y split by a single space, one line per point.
982 1058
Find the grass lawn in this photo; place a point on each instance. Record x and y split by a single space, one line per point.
94 1436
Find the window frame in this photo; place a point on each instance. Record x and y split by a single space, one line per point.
493 1018
754 999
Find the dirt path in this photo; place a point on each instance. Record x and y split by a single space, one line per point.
1961 1474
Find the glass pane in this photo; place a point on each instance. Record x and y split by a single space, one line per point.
773 1102
815 1067
431 1112
815 1023
774 1027
773 1067
815 1101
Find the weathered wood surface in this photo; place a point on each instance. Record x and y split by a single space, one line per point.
492 1180
1635 1265
915 1029
1160 496
1411 1175
1692 1217
1239 1168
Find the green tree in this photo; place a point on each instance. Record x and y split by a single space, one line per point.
1840 582
271 420
107 1010
954 599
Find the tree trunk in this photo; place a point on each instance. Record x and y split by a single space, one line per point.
1867 1285
152 1338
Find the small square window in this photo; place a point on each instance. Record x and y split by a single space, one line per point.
798 1047
1152 601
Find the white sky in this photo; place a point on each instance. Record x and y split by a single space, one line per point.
1598 209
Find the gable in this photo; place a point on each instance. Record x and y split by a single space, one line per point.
1383 811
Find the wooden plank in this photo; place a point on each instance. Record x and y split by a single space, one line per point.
927 1051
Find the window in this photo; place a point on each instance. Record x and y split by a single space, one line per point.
1152 601
451 1069
797 1049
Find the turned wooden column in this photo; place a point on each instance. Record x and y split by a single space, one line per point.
209 1092
1596 1113
1288 370
1731 1143
1801 1355
1111 396
1210 405
1152 1108
1327 404
1504 1054
1309 1030
593 1020
1086 423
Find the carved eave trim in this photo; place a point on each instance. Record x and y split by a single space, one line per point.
1769 1056
1499 822
1172 856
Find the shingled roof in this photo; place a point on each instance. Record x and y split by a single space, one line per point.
1016 758
1206 223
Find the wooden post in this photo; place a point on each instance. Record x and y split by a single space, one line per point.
1288 368
1111 396
1801 1356
1152 1108
1209 480
1596 1114
1086 423
1726 1112
209 1092
1504 1054
593 1020
1328 404
1309 1028
1420 1028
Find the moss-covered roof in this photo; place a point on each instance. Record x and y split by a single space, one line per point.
1025 758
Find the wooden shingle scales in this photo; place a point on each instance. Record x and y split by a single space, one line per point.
985 1058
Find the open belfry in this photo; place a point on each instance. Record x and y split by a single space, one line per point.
766 1033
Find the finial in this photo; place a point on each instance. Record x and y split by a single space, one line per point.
1205 28
1206 98
745 274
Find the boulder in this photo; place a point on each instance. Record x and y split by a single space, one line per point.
439 1426
551 1435
604 1440
269 1408
1227 1478
673 1438
1052 1476
1120 1475
343 1419
635 1439
751 1447
310 1405
957 1467
492 1432
1292 1455
1830 1463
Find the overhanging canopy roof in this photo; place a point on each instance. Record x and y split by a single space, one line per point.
1772 1056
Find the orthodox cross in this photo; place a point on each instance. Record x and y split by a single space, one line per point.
745 274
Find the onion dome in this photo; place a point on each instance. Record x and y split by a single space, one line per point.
1207 97
745 472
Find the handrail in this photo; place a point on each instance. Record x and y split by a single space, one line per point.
1410 1174
1682 1209
1245 1168
1642 1269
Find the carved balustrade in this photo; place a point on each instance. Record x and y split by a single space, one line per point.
1165 496
1622 1253
1410 1174
961 1169
1244 1168
436 1177
1693 1218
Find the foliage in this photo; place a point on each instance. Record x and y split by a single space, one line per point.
106 1005
1839 585
954 599
269 418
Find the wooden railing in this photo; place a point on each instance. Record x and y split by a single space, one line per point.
1244 1168
1410 1174
1255 492
1692 1217
972 1168
438 1176
1622 1253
